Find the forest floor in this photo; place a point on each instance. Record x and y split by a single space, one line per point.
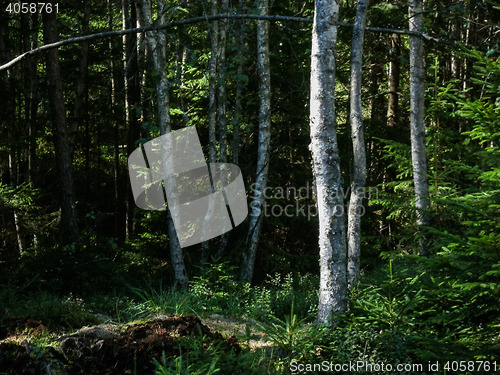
28 347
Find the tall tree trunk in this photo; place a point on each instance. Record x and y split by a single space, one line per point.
142 70
29 26
80 110
132 97
221 108
29 33
7 108
115 120
417 120
239 86
326 163
358 146
212 108
394 74
157 44
62 145
256 217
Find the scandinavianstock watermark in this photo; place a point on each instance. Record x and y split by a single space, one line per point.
293 201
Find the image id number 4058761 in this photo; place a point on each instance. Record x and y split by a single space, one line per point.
24 8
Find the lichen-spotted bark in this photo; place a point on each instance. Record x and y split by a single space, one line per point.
417 120
326 163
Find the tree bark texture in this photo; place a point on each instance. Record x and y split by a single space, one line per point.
358 146
417 120
157 44
258 199
326 163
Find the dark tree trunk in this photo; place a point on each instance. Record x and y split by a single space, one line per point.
132 98
212 107
394 74
221 106
61 139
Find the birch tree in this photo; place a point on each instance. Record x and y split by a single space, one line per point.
258 199
358 146
417 119
156 43
326 163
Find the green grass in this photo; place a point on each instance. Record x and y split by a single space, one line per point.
397 315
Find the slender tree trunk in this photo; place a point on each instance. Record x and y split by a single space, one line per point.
212 108
455 60
80 109
221 88
417 120
29 26
142 69
239 86
256 217
326 163
132 97
221 108
212 85
29 32
62 145
394 74
115 120
81 83
157 44
7 107
181 64
358 146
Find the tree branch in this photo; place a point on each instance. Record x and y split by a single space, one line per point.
188 21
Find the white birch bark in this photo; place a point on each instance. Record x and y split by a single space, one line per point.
417 119
358 146
256 217
326 163
156 43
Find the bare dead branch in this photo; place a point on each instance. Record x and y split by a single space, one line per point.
188 21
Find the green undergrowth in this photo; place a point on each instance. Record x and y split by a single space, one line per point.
399 313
